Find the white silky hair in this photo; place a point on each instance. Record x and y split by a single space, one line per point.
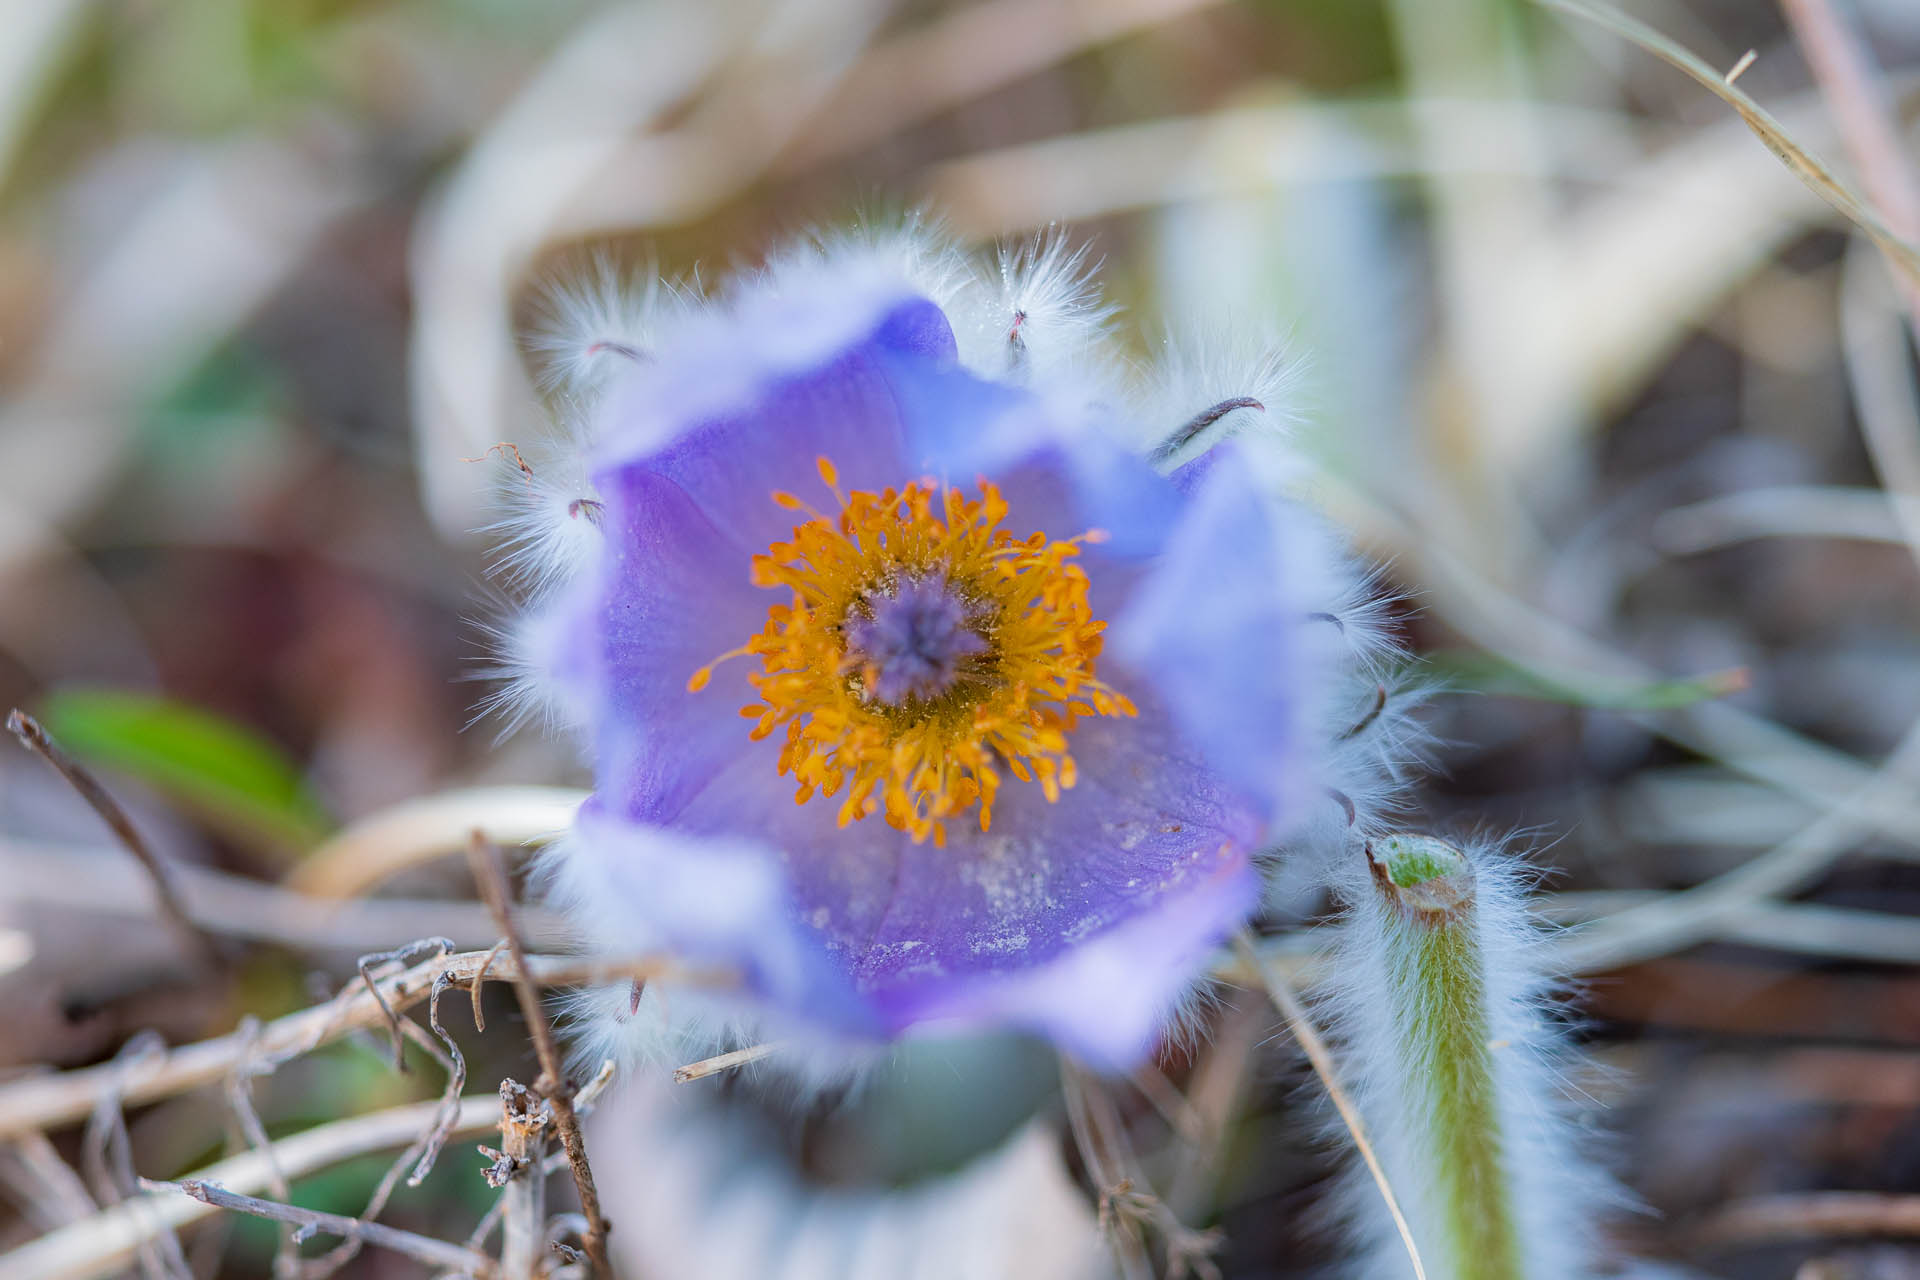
1200 363
1558 1196
594 320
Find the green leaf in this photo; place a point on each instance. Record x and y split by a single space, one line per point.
227 774
1468 671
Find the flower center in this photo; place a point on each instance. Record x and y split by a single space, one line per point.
911 640
923 649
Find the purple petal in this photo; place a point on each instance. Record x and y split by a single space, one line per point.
1222 626
717 901
1146 846
682 522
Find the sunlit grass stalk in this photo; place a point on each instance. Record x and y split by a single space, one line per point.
1453 1064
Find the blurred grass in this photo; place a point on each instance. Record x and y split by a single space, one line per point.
1546 292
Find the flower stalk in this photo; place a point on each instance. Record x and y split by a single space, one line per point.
1429 939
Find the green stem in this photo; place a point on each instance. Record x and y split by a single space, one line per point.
1438 994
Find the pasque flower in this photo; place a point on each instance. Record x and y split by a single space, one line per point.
925 688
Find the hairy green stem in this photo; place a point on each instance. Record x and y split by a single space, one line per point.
1438 993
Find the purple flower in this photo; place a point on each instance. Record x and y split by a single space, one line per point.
916 699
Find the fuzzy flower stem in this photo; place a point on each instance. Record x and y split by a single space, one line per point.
1437 993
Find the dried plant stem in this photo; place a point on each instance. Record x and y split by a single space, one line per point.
51 1101
435 1253
1845 73
36 739
491 876
104 1243
521 1173
1287 1001
724 1062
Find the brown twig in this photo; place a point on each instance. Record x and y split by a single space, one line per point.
51 1101
553 1084
34 737
435 1253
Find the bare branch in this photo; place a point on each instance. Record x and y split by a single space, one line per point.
491 877
106 1158
45 1185
286 1259
408 954
437 1253
51 1101
103 1244
519 1171
35 738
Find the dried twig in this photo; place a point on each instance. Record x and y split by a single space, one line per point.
1281 992
519 1171
106 1158
724 1062
408 954
1127 1199
491 877
45 1185
50 1101
36 739
286 1259
102 1244
437 1253
418 1154
456 1083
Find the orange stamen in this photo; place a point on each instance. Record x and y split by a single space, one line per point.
924 761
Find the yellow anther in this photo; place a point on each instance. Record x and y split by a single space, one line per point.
922 760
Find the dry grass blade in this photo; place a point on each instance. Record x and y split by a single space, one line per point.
1281 992
723 1062
1816 175
35 738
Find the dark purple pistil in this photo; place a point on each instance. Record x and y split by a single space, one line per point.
916 641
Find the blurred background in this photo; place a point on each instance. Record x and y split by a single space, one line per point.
1629 415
